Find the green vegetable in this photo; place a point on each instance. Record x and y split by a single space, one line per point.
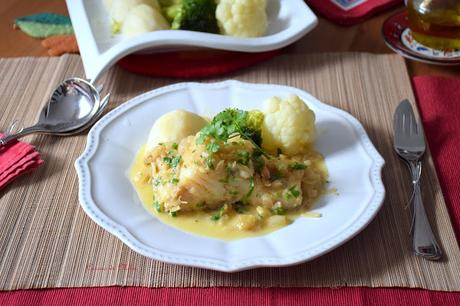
173 214
297 166
174 181
251 187
157 181
278 209
231 123
218 214
258 161
193 15
158 207
213 147
171 161
294 191
174 146
243 157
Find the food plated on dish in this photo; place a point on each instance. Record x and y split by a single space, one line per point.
108 197
244 173
240 18
93 23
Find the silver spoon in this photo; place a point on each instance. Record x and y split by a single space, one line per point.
104 103
74 104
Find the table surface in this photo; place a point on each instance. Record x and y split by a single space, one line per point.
326 37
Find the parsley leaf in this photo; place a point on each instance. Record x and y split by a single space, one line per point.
297 166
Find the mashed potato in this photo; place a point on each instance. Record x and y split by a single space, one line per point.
242 18
173 127
289 125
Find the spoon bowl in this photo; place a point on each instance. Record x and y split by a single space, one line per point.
73 104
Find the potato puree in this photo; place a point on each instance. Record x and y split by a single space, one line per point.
232 225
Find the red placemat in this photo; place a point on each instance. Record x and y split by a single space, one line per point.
349 12
439 104
192 64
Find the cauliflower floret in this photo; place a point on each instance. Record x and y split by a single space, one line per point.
242 18
289 125
141 19
119 9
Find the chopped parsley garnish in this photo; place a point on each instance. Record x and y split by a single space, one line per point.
210 162
157 181
173 214
278 209
174 181
217 215
157 206
231 123
297 166
172 161
212 147
258 161
243 157
294 191
174 146
251 187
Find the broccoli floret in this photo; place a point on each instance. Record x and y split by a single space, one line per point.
193 15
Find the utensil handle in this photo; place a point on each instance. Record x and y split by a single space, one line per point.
21 133
423 239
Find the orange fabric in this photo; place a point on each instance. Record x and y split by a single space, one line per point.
60 44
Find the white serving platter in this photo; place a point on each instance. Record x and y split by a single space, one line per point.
108 197
288 20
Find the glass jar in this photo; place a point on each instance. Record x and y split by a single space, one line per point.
435 23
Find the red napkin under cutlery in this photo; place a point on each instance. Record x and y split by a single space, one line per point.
17 158
349 12
439 103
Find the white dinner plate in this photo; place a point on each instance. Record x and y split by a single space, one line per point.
108 197
288 20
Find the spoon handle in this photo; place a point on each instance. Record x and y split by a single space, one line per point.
21 133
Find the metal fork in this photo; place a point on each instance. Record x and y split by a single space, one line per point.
409 143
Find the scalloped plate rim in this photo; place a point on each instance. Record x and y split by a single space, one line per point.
91 209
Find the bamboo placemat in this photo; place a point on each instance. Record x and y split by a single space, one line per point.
46 240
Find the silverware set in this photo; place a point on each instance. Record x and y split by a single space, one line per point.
74 106
409 144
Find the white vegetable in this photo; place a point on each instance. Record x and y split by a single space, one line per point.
119 9
141 19
173 127
243 18
108 4
289 125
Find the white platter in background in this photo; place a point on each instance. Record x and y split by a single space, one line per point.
108 197
288 20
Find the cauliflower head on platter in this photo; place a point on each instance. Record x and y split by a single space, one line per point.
242 18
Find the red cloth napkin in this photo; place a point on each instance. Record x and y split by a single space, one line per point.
349 12
439 104
17 158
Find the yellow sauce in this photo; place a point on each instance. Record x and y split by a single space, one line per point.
200 222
